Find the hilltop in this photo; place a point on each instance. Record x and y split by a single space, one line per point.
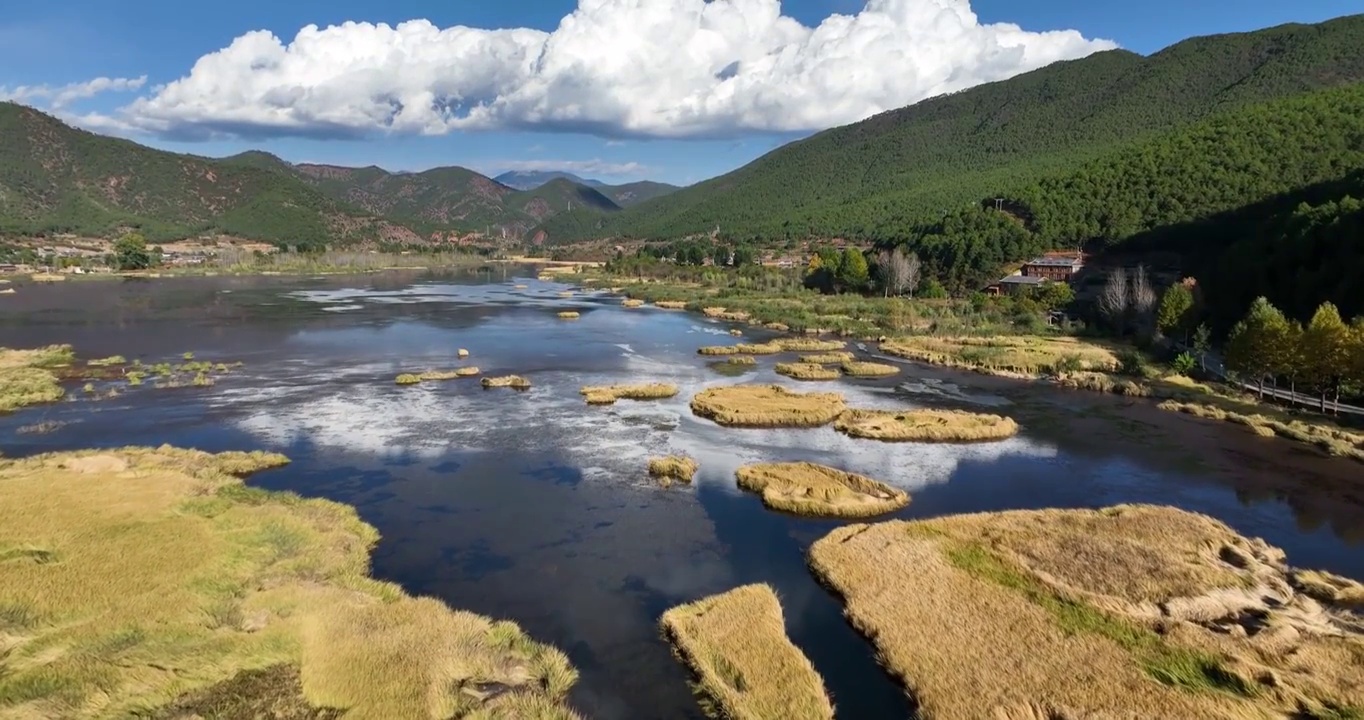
886 176
623 195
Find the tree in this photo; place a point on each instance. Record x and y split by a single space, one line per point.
743 256
1202 343
720 255
1114 300
1176 311
1357 354
1055 295
1326 351
130 253
1256 344
933 290
853 273
819 274
899 271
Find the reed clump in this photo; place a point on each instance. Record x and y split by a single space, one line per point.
461 353
515 382
435 375
831 358
853 368
569 315
671 304
632 303
673 467
1329 439
807 371
27 377
735 645
741 349
741 360
925 425
609 394
1029 356
809 345
108 361
1163 612
736 332
135 560
804 488
566 294
766 406
720 313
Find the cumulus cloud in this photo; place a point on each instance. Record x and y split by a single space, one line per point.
613 68
598 167
59 96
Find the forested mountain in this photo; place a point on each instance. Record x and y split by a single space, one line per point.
884 177
636 192
54 178
531 179
622 195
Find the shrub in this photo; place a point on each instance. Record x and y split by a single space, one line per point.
1184 363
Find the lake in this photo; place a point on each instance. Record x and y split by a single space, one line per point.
535 507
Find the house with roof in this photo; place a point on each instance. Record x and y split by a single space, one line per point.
1052 267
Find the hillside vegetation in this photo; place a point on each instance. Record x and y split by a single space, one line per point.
885 177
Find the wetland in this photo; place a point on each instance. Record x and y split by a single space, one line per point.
538 508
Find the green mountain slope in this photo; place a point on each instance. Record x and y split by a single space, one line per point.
636 192
54 178
882 177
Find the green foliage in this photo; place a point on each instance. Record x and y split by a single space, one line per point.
853 273
933 290
1184 363
1176 310
1257 347
130 253
1055 295
1131 362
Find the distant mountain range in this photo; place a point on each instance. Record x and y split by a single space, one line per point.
623 195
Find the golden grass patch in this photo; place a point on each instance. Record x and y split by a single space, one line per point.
1131 611
462 353
632 303
609 394
433 375
673 467
805 488
26 376
807 371
735 644
510 381
809 345
766 406
741 360
741 349
671 304
720 313
925 425
566 294
832 358
133 577
736 332
1330 439
1009 355
853 368
569 315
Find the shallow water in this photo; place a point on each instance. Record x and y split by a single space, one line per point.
535 507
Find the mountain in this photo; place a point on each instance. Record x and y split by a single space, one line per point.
883 177
531 179
622 195
55 178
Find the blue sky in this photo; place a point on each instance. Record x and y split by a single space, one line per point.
57 43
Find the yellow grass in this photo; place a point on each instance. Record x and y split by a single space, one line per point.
26 378
671 304
736 332
741 360
1009 355
805 488
807 371
673 467
462 353
632 303
569 315
432 375
741 349
735 644
108 361
925 425
720 313
47 277
566 293
833 358
609 394
1126 612
1330 439
766 406
131 577
853 368
512 381
520 287
809 345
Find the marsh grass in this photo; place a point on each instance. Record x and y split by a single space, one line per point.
741 349
1019 355
1165 613
809 345
807 371
671 304
27 377
134 578
632 303
569 315
831 358
461 353
736 332
435 375
609 394
1270 422
804 488
853 368
719 313
746 668
766 406
516 382
925 425
673 467
108 361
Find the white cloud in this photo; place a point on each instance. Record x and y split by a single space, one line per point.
598 167
58 97
614 68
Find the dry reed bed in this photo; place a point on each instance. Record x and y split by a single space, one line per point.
741 360
632 303
131 577
925 425
434 375
741 349
807 371
515 382
853 368
804 488
569 315
1327 438
609 394
719 313
673 467
1030 356
766 406
1131 611
26 376
671 304
735 644
808 345
830 358
462 353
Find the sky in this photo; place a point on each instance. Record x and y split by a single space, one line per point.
617 90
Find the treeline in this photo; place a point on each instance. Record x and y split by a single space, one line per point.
1325 356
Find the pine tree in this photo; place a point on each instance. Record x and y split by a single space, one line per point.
1326 348
853 273
1256 346
1176 311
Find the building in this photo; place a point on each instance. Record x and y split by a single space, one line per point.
1060 268
1015 283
